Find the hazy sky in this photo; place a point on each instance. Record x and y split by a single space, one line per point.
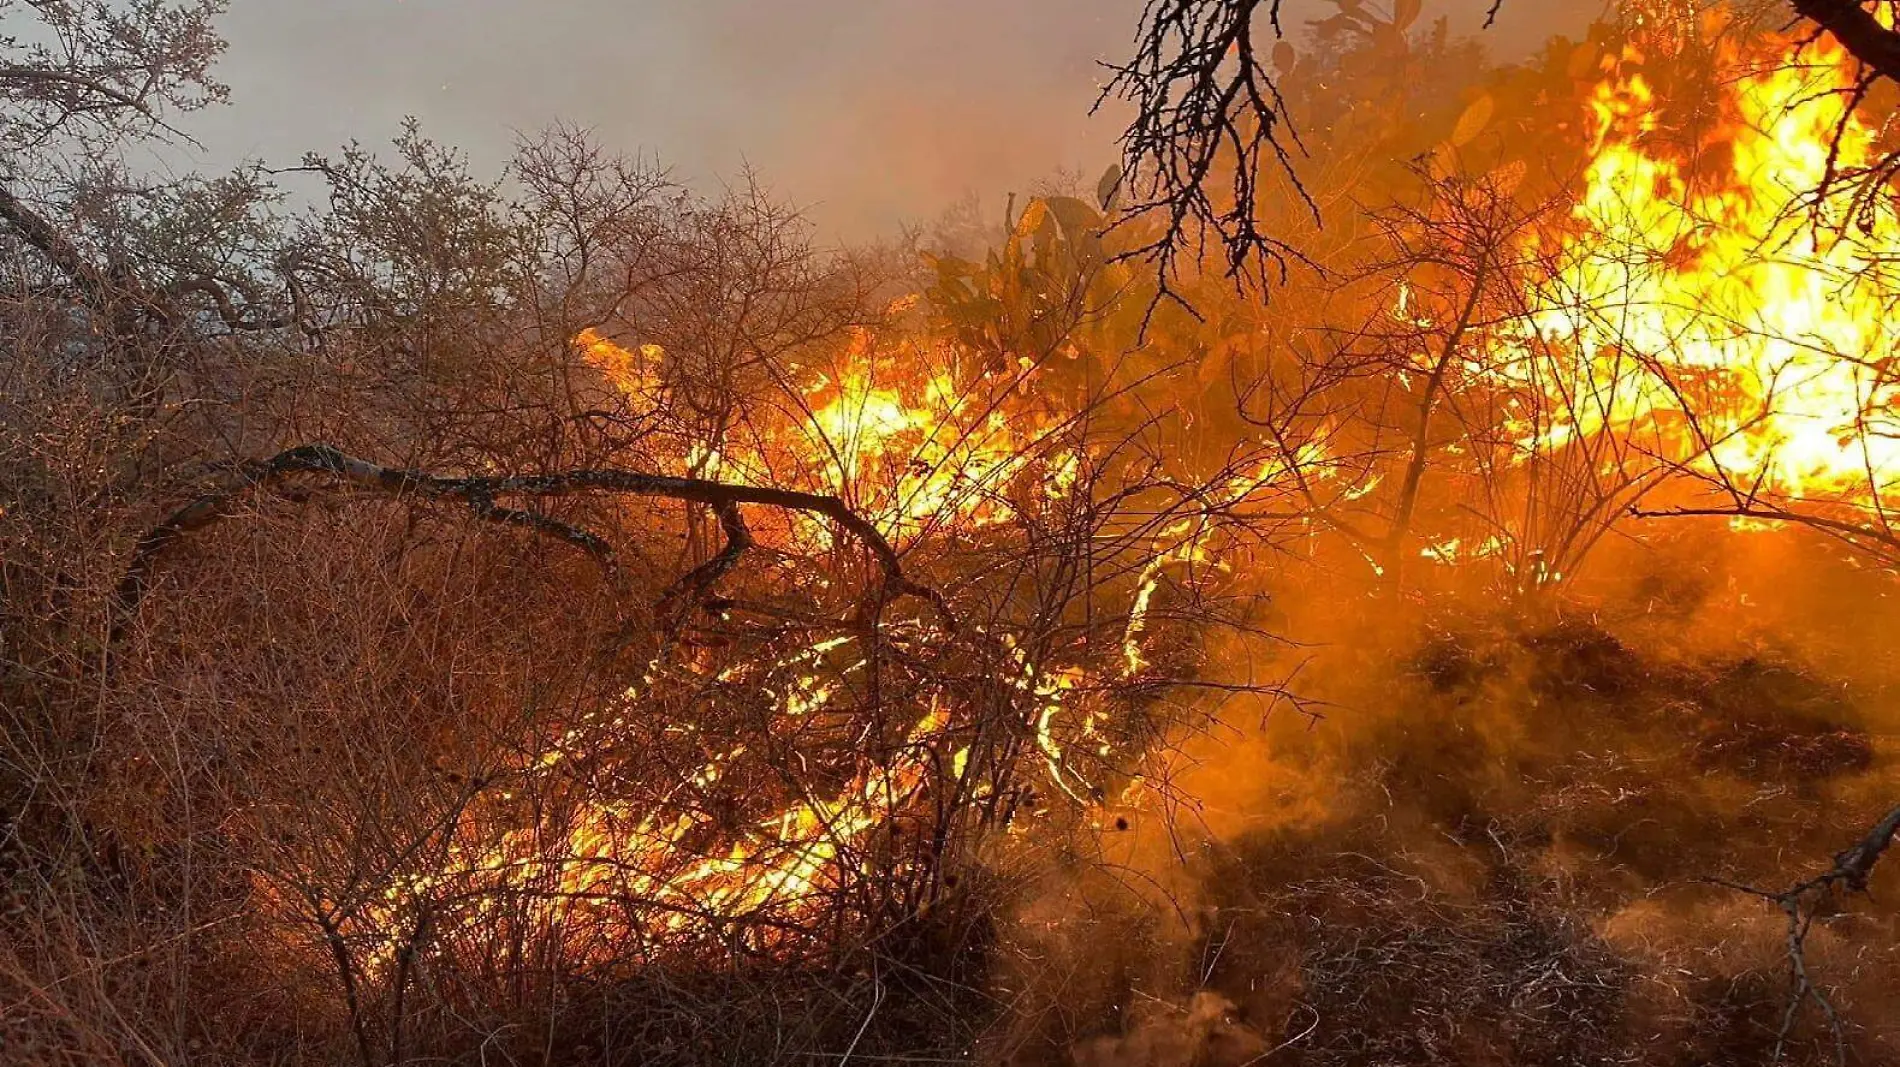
868 112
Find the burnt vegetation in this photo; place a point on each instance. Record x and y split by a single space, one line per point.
1402 571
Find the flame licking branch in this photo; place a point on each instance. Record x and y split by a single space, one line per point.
1707 309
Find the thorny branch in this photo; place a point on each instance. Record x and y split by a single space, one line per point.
1203 96
1802 903
481 495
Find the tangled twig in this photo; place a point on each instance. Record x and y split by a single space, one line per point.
1801 903
1203 96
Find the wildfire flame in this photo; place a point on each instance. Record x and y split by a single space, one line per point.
1706 310
914 444
1690 304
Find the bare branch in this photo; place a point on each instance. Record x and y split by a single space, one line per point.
1801 904
105 290
1881 542
229 313
31 76
1858 31
1203 99
108 68
480 495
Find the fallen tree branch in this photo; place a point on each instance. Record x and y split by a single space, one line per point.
1854 866
480 495
1801 903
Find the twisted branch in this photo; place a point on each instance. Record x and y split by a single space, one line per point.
1801 904
481 495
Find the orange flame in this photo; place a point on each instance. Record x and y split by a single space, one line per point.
1711 313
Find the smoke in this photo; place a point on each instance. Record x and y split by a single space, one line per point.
1495 846
871 115
1488 846
1203 1031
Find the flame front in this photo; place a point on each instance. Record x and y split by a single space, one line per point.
1706 309
1690 304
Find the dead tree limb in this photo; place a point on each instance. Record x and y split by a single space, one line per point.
1881 543
1858 31
1801 904
481 496
694 584
107 291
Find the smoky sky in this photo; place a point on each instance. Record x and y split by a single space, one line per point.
868 113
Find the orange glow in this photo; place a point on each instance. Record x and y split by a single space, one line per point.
613 870
919 449
1687 306
1701 310
634 372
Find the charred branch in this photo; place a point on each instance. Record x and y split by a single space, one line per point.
481 496
1858 31
1854 866
1881 542
696 583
